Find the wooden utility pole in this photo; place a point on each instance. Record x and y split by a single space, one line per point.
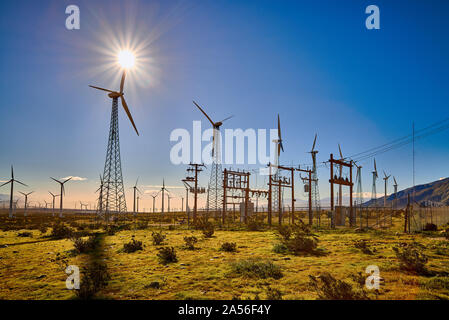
196 169
340 181
309 183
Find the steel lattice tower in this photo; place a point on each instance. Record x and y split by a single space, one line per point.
113 193
215 195
316 202
373 190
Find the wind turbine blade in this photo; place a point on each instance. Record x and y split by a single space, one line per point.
281 145
55 180
12 173
103 89
227 118
67 180
22 193
375 168
6 183
137 182
395 180
314 143
122 82
125 106
204 113
279 128
23 184
339 149
384 173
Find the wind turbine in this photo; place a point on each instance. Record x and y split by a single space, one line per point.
315 190
62 193
386 184
395 191
46 204
26 202
277 190
216 177
134 198
154 200
12 180
373 191
113 191
53 207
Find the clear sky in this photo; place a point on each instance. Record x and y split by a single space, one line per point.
313 62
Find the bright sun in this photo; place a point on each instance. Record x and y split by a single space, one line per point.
126 59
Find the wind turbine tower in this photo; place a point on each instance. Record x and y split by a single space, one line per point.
113 193
316 202
135 200
61 183
11 201
373 190
386 185
358 178
26 202
276 202
395 192
215 198
53 207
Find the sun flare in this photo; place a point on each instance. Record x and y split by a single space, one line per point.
126 59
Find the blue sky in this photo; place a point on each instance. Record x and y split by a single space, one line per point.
313 62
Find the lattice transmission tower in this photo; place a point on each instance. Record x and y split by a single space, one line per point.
215 189
373 190
316 202
112 193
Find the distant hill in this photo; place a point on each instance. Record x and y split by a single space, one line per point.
436 192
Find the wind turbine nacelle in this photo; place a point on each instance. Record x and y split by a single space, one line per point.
114 95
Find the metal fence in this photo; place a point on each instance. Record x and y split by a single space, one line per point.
419 217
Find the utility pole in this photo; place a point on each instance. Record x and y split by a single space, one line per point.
195 169
309 184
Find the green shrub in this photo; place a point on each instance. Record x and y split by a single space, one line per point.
363 246
142 225
208 230
132 246
430 227
190 242
61 231
167 255
411 257
84 246
257 269
298 239
43 229
158 238
329 288
280 248
229 247
94 278
273 294
254 225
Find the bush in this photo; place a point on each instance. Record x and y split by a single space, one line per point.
84 246
363 246
60 231
329 288
274 294
25 234
43 229
285 232
94 278
190 242
411 257
112 229
280 248
229 247
254 225
132 246
446 233
298 239
167 255
158 238
257 269
430 227
208 230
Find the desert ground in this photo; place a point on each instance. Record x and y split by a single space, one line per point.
125 259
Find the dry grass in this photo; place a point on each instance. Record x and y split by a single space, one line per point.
29 269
